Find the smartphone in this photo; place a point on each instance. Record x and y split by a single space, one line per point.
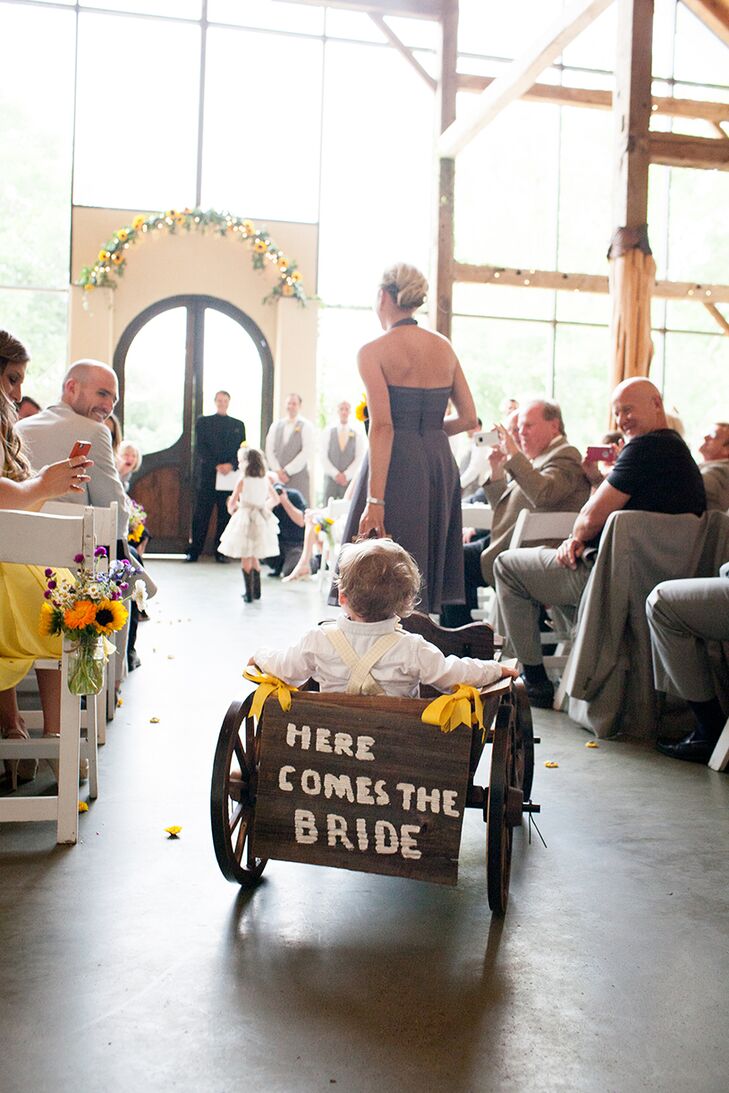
81 447
488 440
600 453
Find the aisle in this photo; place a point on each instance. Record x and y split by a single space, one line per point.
129 963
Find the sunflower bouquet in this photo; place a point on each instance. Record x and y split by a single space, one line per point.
324 527
87 607
137 523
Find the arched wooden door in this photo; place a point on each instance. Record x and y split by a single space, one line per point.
170 361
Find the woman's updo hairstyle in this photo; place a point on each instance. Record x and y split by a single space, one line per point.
405 285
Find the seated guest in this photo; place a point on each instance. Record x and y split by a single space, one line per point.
545 476
342 451
365 651
22 587
715 468
27 407
654 473
683 616
290 515
128 462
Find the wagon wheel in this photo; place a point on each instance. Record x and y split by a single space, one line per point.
524 740
233 795
503 811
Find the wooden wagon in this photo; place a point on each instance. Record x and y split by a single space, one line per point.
361 782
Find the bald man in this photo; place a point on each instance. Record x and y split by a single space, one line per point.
654 472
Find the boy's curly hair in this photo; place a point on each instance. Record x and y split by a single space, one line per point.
379 579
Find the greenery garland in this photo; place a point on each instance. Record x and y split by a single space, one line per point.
112 259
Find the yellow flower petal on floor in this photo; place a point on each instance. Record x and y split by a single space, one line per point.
173 831
83 807
551 764
592 744
80 615
154 721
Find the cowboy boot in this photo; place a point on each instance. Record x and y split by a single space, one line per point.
256 575
248 594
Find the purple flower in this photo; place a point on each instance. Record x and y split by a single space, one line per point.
126 562
52 584
124 586
49 572
47 595
78 558
100 552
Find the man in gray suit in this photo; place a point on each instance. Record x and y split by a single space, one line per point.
342 451
290 448
89 394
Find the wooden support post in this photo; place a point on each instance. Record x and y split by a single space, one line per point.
442 299
632 269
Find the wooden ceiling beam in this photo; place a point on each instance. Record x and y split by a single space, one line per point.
403 50
591 98
464 273
416 9
677 150
521 74
714 14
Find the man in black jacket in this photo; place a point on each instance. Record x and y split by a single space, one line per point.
217 440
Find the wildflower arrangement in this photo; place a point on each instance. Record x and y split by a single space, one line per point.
137 523
324 527
88 607
111 260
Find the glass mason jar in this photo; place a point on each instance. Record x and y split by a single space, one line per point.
86 661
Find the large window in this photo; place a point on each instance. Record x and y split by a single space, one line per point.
286 111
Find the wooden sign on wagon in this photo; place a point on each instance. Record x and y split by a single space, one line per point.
361 783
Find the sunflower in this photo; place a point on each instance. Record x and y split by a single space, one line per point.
122 235
260 247
110 616
361 412
80 615
48 622
287 289
137 222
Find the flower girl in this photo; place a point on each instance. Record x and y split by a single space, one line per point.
252 532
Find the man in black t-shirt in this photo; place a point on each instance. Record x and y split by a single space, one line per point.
290 515
653 473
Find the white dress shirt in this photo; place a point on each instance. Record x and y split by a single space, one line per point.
399 671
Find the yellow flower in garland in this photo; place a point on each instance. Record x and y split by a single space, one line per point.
80 615
260 247
296 276
104 256
137 222
283 263
117 258
122 235
247 227
47 625
110 616
287 289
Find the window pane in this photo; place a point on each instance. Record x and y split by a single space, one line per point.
503 301
700 56
503 30
182 9
354 25
595 46
584 307
697 379
136 144
342 332
36 127
377 202
698 230
268 14
39 320
585 222
503 359
582 382
261 156
232 364
154 382
663 24
506 189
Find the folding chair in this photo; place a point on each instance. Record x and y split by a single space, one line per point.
34 538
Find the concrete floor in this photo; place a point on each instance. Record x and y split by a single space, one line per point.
129 963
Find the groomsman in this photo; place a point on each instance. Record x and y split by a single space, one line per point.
290 448
342 452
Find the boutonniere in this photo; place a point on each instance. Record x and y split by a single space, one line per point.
351 434
297 428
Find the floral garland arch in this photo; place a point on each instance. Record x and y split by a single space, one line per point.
112 259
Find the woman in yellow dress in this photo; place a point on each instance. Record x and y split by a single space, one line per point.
22 587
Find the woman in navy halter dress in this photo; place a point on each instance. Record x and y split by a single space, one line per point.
409 486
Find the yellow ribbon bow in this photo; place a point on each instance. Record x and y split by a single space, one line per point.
269 685
462 707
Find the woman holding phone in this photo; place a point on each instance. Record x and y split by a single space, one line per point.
22 587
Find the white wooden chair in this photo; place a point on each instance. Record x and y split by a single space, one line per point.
477 516
106 523
336 507
34 538
720 755
533 529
